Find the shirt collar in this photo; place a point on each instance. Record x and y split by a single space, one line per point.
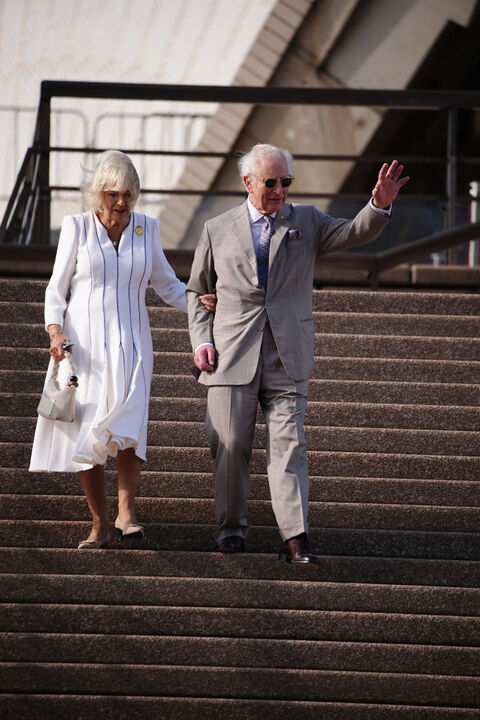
255 214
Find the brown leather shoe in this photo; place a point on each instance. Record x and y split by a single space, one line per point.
231 544
297 552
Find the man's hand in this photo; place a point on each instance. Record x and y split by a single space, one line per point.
209 300
204 358
388 184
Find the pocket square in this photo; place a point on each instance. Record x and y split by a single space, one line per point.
295 234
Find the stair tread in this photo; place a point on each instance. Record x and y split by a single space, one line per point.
139 591
321 625
450 543
239 682
326 367
171 650
175 708
388 516
16 289
191 434
329 389
363 322
198 564
333 344
367 464
319 413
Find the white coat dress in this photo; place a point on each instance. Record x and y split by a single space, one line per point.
98 297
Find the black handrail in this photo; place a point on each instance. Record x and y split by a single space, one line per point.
375 263
408 99
28 209
10 217
419 249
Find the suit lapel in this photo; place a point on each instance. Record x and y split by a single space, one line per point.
243 232
280 229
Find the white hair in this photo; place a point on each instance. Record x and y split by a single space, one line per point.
113 171
249 163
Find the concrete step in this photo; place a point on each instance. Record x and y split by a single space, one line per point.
427 417
330 344
239 683
217 652
363 323
333 568
370 391
332 367
246 593
373 391
340 463
360 391
177 387
376 369
390 346
325 414
314 625
33 312
22 290
374 515
170 484
325 368
450 544
369 323
59 706
334 344
387 302
332 439
355 301
325 300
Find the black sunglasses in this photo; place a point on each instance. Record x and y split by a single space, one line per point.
285 181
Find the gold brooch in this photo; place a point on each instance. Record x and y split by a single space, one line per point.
139 230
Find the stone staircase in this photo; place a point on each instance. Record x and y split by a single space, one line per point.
388 627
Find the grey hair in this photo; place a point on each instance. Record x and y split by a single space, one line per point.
249 162
114 171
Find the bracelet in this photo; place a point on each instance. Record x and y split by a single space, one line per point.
55 335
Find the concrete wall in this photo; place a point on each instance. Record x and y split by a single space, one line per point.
341 43
148 41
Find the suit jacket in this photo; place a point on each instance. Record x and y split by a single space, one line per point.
225 260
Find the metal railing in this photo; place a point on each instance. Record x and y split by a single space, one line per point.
20 215
27 217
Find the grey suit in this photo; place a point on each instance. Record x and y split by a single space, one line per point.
264 343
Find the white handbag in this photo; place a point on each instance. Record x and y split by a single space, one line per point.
58 403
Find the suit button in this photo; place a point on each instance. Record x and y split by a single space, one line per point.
260 328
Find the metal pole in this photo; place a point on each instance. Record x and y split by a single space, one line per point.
42 140
451 179
473 245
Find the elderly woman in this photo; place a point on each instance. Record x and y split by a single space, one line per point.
96 300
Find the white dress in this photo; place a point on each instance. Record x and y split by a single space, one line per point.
106 317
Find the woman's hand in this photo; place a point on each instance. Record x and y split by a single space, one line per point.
56 347
209 300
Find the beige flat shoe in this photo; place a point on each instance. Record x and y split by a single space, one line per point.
94 544
130 530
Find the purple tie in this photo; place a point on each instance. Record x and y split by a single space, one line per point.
263 251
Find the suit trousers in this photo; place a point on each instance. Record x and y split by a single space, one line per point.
231 417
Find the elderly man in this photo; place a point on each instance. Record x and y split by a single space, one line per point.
258 347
